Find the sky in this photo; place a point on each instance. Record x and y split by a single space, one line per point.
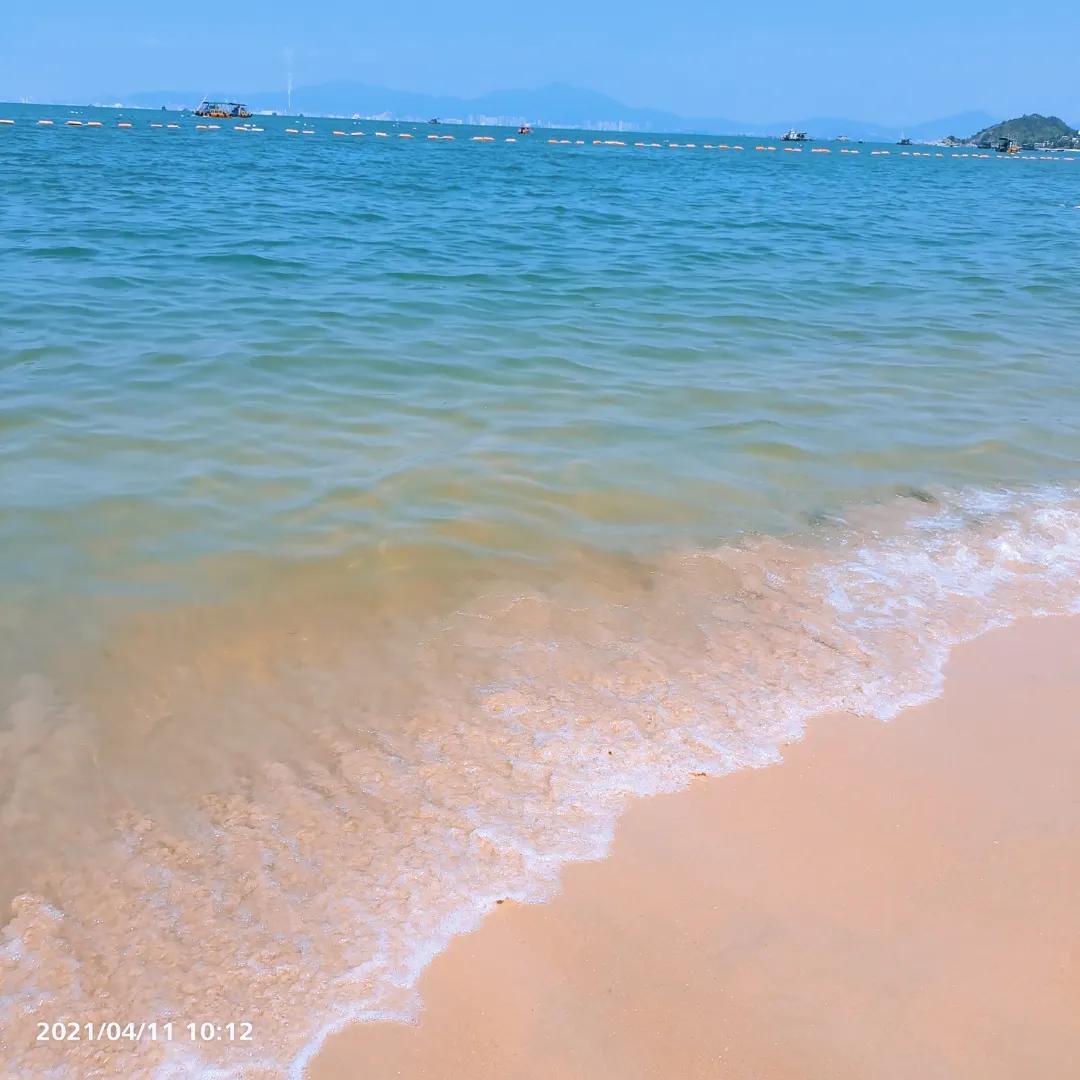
903 62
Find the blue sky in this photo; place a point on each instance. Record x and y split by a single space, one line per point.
904 63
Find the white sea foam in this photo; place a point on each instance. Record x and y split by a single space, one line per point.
315 888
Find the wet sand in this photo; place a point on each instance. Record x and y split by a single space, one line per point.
892 901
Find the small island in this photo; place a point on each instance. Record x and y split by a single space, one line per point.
1029 132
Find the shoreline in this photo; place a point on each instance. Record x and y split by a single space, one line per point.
913 876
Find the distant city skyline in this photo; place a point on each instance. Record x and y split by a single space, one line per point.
836 58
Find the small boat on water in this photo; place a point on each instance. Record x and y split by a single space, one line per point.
905 141
793 136
223 110
524 130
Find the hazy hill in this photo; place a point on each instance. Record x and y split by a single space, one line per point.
554 105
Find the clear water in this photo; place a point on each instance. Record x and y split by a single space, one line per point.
362 497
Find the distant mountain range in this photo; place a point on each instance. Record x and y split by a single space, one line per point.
555 105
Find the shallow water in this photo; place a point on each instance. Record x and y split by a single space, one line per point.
379 514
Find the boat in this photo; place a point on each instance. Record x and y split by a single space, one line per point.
1007 146
223 110
793 136
434 120
843 138
905 141
524 130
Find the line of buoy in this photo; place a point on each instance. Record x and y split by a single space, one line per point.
46 122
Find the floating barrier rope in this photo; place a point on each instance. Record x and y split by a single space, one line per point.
1059 156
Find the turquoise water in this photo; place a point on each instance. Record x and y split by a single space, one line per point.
369 459
219 342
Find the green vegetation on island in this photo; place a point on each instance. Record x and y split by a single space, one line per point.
1029 132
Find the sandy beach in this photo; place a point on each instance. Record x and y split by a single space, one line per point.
893 900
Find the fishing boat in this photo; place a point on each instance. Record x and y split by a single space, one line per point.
905 141
524 130
223 110
793 136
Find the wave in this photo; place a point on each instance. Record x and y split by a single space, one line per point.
302 814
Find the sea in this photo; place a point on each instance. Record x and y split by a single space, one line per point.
384 505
